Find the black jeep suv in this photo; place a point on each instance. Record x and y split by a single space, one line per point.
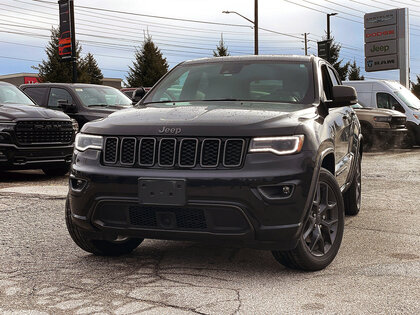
260 151
33 137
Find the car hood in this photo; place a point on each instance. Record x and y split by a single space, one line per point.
378 112
189 119
12 112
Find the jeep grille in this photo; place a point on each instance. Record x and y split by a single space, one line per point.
174 152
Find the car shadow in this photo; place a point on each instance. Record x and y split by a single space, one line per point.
27 176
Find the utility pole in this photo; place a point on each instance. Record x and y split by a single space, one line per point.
73 41
306 43
256 28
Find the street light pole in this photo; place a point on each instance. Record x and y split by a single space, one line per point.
329 35
255 23
328 24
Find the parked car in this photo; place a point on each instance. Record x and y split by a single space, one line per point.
32 137
391 95
382 127
83 102
260 151
135 94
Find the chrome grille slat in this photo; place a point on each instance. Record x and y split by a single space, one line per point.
147 151
128 150
167 150
210 152
174 152
110 150
187 156
234 148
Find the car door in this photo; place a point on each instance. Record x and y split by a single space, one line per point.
341 125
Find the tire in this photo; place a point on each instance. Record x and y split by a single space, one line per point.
353 196
326 220
409 140
99 247
57 170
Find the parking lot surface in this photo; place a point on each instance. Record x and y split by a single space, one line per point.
377 270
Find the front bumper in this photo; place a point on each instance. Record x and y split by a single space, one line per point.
391 135
244 206
14 157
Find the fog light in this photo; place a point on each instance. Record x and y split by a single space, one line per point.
286 190
276 191
77 184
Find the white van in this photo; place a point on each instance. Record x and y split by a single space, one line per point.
391 95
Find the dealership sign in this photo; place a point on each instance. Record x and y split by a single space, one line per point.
386 42
65 41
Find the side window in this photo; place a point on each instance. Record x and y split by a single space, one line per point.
334 79
58 94
37 94
326 83
385 100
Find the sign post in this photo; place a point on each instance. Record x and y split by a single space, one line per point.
67 40
387 42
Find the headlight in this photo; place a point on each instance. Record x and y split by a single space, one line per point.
75 125
6 125
382 119
84 142
277 145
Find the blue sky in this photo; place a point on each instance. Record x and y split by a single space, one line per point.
112 37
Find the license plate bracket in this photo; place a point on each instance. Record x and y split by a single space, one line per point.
156 191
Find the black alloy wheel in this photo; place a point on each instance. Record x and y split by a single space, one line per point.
320 230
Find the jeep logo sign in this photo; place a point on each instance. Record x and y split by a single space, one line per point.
382 48
167 130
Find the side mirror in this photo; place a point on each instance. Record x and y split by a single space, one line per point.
343 96
138 94
66 106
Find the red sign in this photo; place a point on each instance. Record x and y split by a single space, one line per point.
29 80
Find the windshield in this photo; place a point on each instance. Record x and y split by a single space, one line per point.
261 81
10 94
408 98
356 106
102 96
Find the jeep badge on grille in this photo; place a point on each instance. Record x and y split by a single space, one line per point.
167 130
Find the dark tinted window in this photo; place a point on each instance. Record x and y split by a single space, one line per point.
326 83
385 100
57 94
270 81
37 94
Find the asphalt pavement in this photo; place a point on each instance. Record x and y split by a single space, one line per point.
377 270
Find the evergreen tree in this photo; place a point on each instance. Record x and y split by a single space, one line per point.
90 71
53 69
415 88
336 61
354 72
148 67
221 49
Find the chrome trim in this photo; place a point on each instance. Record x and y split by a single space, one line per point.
174 153
134 150
116 150
154 151
242 152
218 153
195 153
